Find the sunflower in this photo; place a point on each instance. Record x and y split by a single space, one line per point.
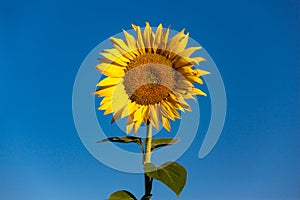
149 77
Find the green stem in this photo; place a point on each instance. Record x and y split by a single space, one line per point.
148 180
148 143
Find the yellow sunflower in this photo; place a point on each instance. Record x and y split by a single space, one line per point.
148 77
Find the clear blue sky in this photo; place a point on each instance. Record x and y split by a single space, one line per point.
255 44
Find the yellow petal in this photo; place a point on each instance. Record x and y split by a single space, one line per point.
181 44
110 81
199 72
148 37
180 90
153 116
157 39
107 107
167 110
194 79
109 62
140 42
108 110
174 40
130 40
173 96
132 107
128 109
113 58
159 111
199 92
173 101
125 110
188 96
118 114
105 91
146 114
121 106
138 114
196 60
182 102
164 38
184 84
186 61
129 124
138 118
186 70
111 70
188 52
166 124
117 55
163 117
105 99
120 45
119 97
172 108
104 106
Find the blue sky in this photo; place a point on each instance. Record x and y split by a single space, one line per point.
255 44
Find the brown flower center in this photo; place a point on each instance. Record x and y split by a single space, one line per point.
149 79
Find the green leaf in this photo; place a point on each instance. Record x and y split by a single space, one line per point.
146 197
126 139
122 195
161 142
151 170
170 173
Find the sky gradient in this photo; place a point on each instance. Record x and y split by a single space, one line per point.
255 45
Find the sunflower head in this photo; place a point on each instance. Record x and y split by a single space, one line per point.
148 77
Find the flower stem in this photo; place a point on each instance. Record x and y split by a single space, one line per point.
148 180
148 143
